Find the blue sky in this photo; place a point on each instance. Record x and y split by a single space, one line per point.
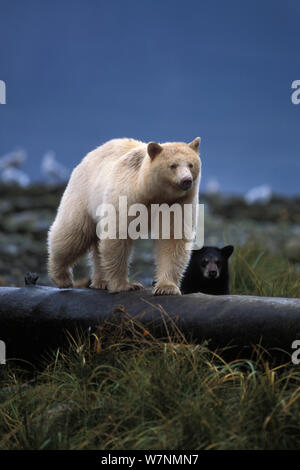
79 72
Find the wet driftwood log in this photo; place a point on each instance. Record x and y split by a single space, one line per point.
33 319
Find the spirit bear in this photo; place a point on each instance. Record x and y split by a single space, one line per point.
146 174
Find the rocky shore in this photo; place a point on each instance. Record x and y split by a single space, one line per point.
26 214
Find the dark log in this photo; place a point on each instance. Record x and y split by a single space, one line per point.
34 318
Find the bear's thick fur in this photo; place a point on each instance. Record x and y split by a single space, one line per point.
208 271
145 173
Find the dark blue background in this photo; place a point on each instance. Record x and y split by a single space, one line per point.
79 72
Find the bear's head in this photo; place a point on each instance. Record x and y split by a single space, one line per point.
212 262
175 166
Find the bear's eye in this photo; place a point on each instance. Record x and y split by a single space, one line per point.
173 166
191 165
204 263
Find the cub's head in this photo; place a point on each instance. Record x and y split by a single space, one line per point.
175 166
212 262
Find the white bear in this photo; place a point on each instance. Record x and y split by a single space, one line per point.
145 173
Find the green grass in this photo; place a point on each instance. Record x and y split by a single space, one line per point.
120 388
130 391
256 271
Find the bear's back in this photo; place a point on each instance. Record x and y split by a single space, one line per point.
113 150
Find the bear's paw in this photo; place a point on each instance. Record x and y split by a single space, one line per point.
166 288
99 285
126 286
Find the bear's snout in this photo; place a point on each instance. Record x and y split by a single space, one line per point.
186 183
213 273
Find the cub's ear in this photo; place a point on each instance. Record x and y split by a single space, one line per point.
154 149
227 251
195 144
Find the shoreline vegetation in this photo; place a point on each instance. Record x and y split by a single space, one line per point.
122 389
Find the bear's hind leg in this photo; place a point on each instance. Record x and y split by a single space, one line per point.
66 243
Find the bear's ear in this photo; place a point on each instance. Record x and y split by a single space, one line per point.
154 149
227 251
195 144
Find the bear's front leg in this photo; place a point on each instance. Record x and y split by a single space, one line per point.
172 259
114 263
98 281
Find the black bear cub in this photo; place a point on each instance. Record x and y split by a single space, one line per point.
208 271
